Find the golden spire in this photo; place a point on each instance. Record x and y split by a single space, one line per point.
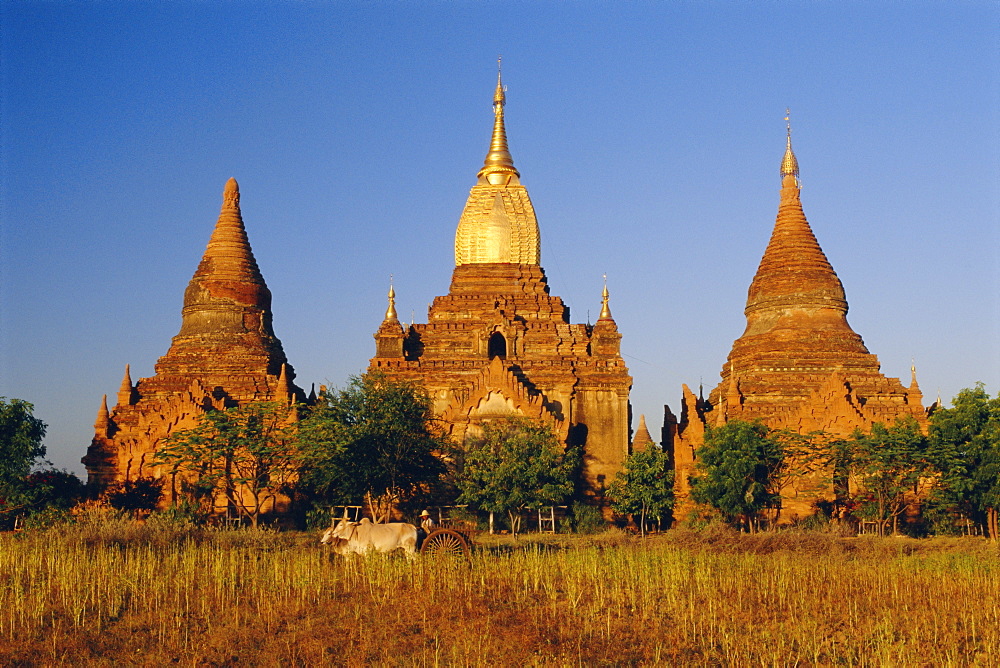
498 168
789 164
390 313
498 224
605 309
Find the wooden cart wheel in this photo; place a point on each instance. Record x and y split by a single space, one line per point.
442 542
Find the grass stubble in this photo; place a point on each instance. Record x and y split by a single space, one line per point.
120 594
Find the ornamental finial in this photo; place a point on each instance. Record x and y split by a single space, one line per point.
498 168
605 308
789 164
390 312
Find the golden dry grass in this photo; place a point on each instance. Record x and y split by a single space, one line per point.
125 595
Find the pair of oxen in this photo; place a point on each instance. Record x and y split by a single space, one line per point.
365 537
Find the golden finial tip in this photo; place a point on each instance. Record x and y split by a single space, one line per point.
789 163
605 298
390 311
498 168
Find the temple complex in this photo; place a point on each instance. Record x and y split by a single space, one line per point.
226 354
798 365
498 344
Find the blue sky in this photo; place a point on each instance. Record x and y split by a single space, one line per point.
649 137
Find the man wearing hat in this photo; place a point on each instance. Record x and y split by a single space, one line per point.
426 526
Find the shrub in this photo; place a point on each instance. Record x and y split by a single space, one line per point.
586 519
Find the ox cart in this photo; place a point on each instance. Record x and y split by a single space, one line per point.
449 538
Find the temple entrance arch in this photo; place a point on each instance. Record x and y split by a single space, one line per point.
497 346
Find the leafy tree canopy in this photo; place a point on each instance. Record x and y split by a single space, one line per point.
134 496
965 450
645 486
888 463
248 453
737 470
21 436
49 491
516 463
374 440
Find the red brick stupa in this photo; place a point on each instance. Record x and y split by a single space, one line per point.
798 365
226 354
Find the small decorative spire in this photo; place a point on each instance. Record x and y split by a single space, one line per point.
103 417
126 393
605 309
914 389
789 163
283 393
642 440
390 312
498 168
231 194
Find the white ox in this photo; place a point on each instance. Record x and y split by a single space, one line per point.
363 537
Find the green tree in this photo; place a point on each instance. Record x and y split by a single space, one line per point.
372 441
888 464
514 464
965 450
737 472
644 488
135 496
249 454
45 495
21 446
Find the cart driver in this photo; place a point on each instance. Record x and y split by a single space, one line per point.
426 527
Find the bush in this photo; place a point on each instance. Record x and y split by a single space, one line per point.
586 519
135 496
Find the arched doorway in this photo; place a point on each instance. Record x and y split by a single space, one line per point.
497 346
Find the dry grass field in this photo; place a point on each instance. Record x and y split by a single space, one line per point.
115 594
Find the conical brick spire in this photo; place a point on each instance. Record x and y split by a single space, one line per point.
126 393
797 335
227 279
794 272
101 423
284 391
642 439
226 354
226 319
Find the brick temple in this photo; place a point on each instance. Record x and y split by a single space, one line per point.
225 355
798 364
499 344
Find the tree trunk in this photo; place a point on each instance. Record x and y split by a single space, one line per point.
991 522
515 521
491 523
